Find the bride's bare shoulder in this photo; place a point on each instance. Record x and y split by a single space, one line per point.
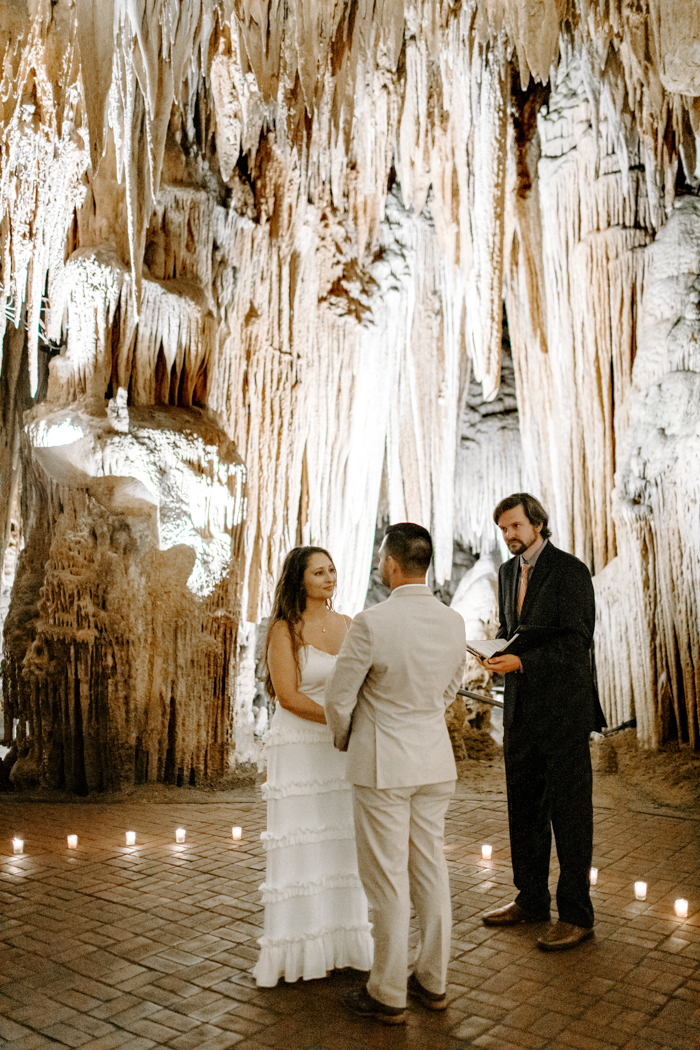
280 634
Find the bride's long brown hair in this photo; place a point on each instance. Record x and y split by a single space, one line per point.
289 603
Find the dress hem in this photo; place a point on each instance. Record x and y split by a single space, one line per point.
313 956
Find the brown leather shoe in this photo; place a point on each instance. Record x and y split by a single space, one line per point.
563 935
362 1003
431 1000
511 915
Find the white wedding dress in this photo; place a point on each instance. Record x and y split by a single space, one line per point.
315 907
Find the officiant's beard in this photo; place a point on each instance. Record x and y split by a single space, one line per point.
516 547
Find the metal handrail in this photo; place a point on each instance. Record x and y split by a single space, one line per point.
479 696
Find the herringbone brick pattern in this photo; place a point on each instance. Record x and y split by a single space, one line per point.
113 948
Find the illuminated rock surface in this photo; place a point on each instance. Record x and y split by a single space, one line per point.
121 636
300 222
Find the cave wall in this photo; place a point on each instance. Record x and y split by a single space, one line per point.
121 635
301 220
649 594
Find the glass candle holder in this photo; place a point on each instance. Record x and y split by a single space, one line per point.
180 835
72 842
681 908
593 877
18 845
236 834
131 838
640 891
486 852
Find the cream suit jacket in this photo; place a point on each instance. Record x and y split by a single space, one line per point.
400 666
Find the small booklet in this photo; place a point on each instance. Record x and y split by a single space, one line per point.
485 648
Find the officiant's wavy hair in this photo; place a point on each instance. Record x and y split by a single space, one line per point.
289 602
534 511
410 545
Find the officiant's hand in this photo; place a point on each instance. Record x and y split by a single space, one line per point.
503 664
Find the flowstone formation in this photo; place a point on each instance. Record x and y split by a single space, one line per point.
476 599
121 638
300 222
656 502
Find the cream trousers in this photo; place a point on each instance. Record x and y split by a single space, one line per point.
400 835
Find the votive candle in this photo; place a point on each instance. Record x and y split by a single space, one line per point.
236 834
131 838
640 891
72 842
593 877
486 852
681 908
18 845
180 835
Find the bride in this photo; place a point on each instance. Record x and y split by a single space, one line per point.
315 907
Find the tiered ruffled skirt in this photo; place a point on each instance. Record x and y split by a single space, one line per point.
315 907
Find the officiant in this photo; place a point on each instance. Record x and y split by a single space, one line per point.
550 708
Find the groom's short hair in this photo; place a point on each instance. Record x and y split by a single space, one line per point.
410 545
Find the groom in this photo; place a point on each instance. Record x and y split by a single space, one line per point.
399 668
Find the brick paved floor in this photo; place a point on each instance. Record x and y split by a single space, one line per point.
112 947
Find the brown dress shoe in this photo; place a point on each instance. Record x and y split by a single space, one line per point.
362 1003
563 935
431 1000
511 915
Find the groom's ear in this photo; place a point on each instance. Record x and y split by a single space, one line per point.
391 564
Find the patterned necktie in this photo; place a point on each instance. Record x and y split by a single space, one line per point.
523 586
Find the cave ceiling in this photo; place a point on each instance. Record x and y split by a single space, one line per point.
292 230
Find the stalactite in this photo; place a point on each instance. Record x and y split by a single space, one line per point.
302 218
487 210
422 436
489 460
157 62
86 294
453 138
43 157
160 359
280 319
594 222
656 500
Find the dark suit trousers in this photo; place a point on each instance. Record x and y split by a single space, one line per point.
550 783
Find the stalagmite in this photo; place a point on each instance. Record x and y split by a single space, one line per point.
288 231
123 621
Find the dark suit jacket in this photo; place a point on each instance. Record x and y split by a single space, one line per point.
556 687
